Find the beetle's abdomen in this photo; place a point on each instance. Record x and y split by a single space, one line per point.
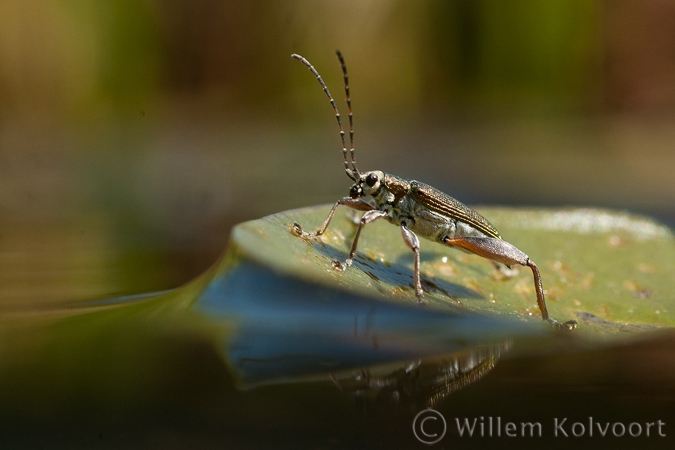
435 226
443 204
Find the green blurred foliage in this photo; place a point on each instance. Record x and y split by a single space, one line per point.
92 55
151 127
76 57
518 53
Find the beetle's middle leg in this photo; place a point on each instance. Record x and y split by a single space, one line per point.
413 242
368 217
502 271
501 251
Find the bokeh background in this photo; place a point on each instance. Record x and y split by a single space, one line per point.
134 134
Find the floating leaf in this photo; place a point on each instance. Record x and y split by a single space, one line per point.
611 271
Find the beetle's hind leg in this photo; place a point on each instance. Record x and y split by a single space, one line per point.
501 251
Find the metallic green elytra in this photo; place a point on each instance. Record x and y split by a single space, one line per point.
419 210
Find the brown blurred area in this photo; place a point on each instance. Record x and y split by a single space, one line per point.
134 134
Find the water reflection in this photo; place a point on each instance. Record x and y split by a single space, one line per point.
419 384
282 330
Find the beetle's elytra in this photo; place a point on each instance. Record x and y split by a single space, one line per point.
419 210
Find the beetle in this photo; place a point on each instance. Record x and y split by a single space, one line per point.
418 209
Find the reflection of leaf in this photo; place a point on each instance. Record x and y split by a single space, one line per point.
611 271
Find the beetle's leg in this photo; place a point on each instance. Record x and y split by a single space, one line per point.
367 218
502 252
503 271
413 243
347 201
354 217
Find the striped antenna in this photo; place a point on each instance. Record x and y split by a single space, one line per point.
350 173
349 108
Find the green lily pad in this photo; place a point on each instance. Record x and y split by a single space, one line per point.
610 271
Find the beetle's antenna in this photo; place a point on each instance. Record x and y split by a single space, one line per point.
349 109
350 172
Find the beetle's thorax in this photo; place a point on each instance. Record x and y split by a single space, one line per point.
379 188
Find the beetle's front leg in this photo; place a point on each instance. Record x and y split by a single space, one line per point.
413 243
347 201
367 218
501 251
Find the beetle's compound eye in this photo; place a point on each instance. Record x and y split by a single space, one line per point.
371 180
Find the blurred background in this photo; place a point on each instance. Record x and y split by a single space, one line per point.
135 134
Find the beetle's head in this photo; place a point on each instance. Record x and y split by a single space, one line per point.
367 183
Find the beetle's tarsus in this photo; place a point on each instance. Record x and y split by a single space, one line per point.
420 297
569 325
337 265
296 229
